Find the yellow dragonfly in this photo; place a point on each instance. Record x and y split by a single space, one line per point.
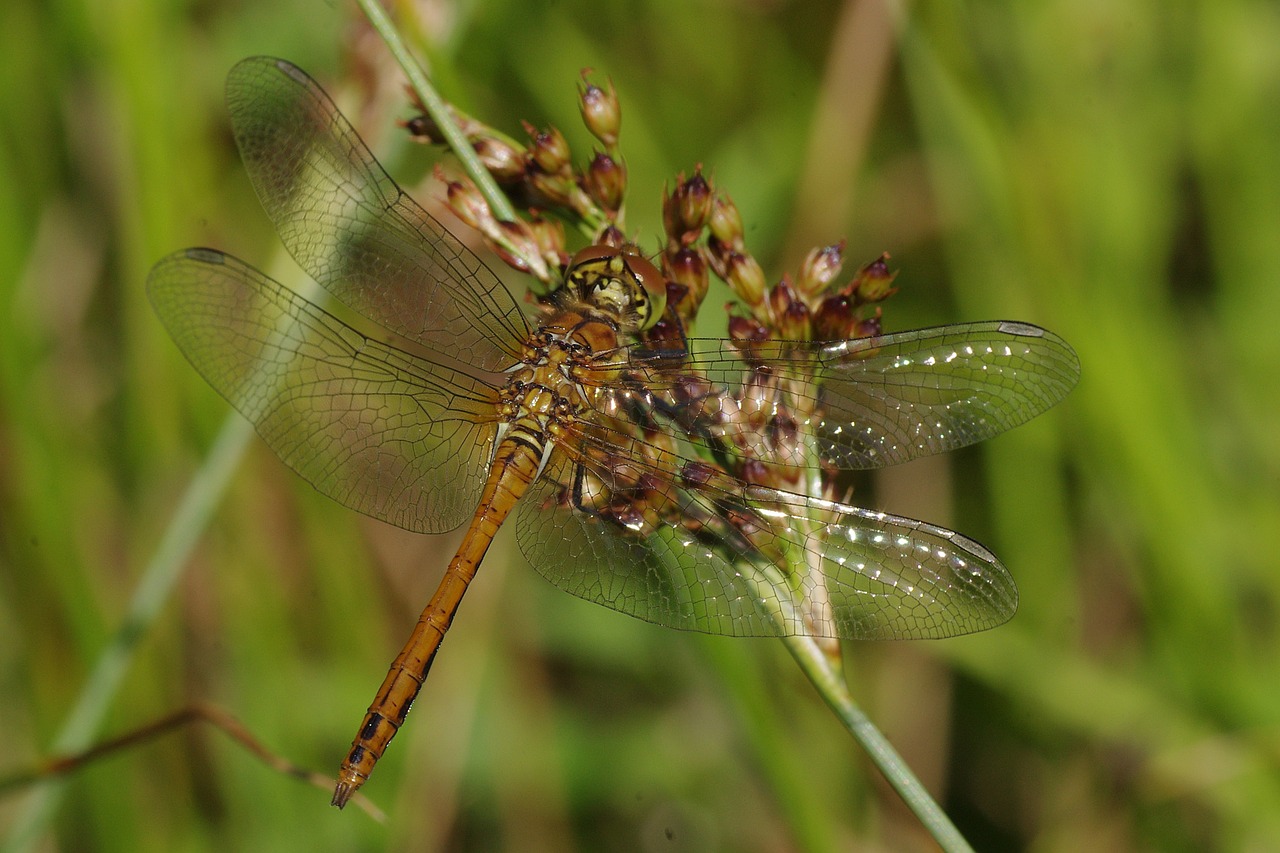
437 401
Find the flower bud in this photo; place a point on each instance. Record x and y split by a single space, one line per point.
548 149
746 329
667 335
784 436
422 129
820 268
467 204
834 320
747 336
600 111
628 515
874 282
685 211
696 474
695 201
522 249
782 297
611 236
606 182
678 300
868 328
553 190
502 160
548 236
686 267
744 275
726 222
793 325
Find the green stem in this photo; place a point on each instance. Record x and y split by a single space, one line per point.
166 566
831 686
439 113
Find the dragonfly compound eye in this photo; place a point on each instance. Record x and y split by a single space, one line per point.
618 281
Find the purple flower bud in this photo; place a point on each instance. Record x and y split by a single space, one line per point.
548 149
422 129
468 205
548 236
696 474
868 328
793 325
782 297
726 222
874 282
611 236
553 189
606 182
600 111
820 268
686 209
834 319
747 334
687 268
500 158
744 275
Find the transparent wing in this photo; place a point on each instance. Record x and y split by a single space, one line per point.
386 433
638 518
876 401
714 558
351 228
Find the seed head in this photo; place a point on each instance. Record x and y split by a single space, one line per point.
502 159
744 275
606 182
467 204
835 319
548 149
868 328
874 282
600 110
747 334
794 324
726 222
686 267
548 236
686 210
820 268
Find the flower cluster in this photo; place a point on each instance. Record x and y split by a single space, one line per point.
754 421
703 229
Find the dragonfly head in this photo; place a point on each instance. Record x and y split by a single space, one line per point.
620 282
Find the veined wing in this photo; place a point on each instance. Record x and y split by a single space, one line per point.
713 554
874 401
386 433
348 224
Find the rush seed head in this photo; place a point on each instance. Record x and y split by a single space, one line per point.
601 112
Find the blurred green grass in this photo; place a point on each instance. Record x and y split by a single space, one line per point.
1106 170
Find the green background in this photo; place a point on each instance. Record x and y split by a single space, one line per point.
1110 170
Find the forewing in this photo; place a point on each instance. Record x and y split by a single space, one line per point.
747 561
383 432
349 225
901 396
873 401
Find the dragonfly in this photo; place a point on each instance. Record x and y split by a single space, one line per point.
423 394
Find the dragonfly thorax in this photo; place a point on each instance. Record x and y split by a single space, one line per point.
541 393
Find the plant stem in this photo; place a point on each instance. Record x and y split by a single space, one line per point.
439 113
157 581
831 686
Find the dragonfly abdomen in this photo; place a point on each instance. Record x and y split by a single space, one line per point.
516 464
